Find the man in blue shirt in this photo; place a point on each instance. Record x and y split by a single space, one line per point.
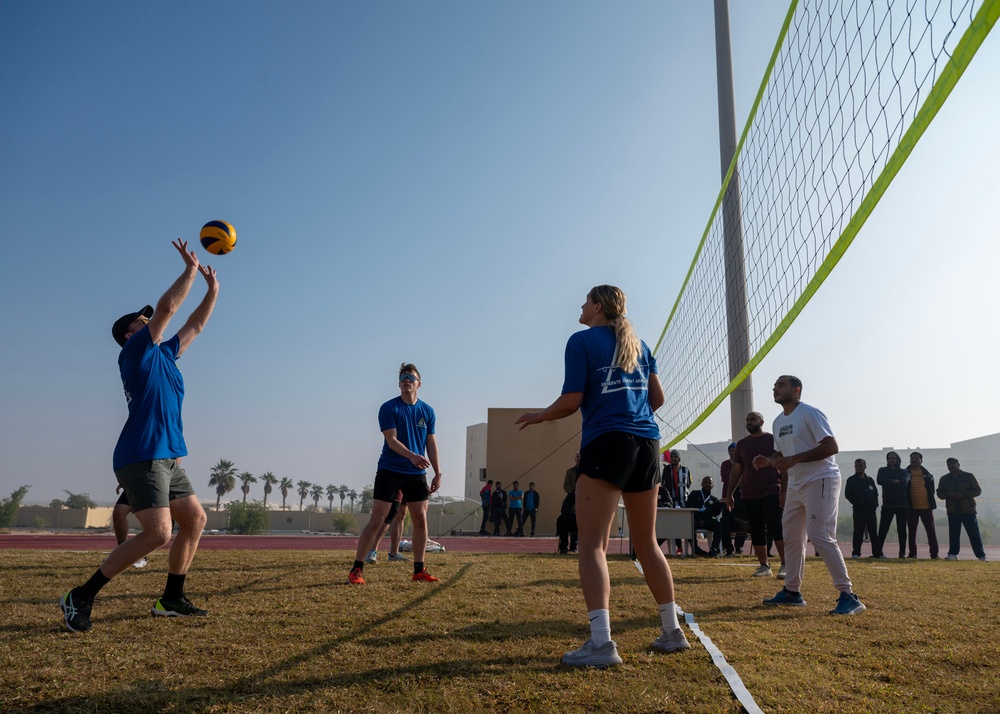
147 456
514 510
408 425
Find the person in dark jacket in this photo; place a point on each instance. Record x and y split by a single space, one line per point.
498 508
862 493
895 483
707 517
531 503
959 490
921 505
566 524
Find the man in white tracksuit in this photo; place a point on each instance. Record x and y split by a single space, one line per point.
810 489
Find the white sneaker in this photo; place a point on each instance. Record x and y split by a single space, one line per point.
397 557
781 573
372 557
763 571
672 642
590 655
141 563
951 557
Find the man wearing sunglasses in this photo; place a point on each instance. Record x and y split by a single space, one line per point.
407 424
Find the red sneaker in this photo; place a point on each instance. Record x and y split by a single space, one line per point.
355 577
425 576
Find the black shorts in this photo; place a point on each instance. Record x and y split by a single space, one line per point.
123 500
413 486
630 462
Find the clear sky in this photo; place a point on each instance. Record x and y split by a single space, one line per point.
440 183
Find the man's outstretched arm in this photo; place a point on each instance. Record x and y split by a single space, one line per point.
199 318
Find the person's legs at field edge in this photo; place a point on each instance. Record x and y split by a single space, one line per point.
925 516
119 522
820 500
396 530
380 509
971 523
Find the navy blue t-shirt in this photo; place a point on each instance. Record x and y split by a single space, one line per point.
612 400
154 390
413 423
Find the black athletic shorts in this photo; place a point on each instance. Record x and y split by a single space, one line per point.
630 462
413 486
154 484
123 500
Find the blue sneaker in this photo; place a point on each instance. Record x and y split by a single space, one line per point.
787 597
848 604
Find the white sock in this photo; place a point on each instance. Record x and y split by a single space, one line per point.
600 626
668 617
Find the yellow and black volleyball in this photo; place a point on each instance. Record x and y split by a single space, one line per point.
218 237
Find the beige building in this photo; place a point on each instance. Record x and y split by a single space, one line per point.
497 450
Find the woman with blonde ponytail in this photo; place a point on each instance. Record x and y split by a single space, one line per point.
611 377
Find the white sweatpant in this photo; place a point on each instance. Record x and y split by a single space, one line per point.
811 511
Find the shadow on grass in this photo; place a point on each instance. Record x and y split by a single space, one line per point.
150 695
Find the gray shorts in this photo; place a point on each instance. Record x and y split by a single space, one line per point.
153 484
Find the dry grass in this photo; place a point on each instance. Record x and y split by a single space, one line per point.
286 634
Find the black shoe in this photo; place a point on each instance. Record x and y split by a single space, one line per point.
76 611
181 607
482 533
563 551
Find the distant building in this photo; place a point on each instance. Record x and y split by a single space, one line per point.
497 450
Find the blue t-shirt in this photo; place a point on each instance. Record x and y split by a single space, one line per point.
515 497
413 424
612 400
154 390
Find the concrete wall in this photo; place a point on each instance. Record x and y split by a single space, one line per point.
43 516
540 453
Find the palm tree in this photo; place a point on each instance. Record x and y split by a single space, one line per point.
247 478
269 480
316 493
331 492
223 478
352 494
285 486
303 492
343 494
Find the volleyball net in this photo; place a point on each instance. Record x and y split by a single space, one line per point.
849 90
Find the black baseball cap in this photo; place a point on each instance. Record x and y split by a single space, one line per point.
121 325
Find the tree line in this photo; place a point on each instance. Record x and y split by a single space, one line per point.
224 476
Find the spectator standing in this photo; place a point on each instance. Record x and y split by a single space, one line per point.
959 490
729 519
922 505
678 480
569 483
485 494
895 483
515 510
532 500
498 507
566 527
862 493
762 494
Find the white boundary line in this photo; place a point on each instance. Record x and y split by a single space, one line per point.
718 659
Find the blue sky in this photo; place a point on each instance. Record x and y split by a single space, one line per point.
438 183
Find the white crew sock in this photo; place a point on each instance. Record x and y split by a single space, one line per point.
600 626
668 617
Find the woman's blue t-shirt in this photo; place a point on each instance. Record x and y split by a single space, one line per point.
612 400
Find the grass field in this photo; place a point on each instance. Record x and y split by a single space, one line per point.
286 634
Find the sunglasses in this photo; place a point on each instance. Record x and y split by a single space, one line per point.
408 378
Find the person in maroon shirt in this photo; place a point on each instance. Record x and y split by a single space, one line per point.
729 518
761 493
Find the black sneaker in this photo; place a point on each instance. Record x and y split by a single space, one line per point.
76 612
177 608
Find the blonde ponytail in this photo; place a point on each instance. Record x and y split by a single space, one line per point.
627 344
